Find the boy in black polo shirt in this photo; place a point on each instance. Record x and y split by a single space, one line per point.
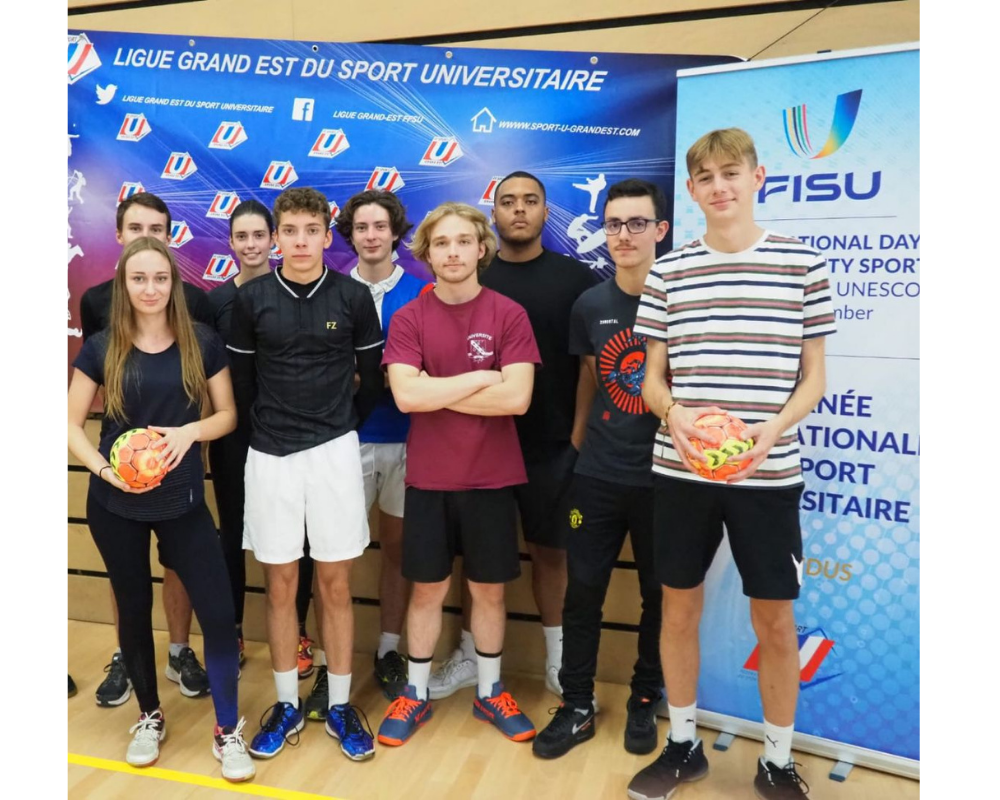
298 336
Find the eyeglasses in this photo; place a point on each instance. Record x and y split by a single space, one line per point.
612 227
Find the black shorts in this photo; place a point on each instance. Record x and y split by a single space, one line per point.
479 524
763 528
544 500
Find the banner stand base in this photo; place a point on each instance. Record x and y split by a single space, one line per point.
723 741
840 771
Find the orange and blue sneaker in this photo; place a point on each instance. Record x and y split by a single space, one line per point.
283 724
344 724
404 715
305 657
501 709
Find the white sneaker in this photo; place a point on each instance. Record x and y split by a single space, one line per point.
457 672
231 750
149 731
552 680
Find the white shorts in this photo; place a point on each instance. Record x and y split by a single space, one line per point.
384 470
318 492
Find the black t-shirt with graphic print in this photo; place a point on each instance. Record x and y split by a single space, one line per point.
619 443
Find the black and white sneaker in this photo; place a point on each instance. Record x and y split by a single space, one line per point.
116 688
641 737
571 725
390 672
778 783
188 674
680 762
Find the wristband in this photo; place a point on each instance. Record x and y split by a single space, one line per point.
100 472
666 414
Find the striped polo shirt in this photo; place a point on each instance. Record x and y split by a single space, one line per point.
734 325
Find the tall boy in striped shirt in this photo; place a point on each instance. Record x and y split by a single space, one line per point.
735 321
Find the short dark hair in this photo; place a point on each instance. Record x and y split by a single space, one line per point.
147 199
519 174
302 199
251 208
379 197
636 187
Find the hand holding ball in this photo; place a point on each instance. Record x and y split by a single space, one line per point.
723 453
135 461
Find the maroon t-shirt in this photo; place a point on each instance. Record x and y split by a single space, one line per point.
446 450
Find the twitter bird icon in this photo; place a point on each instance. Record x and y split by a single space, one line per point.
105 94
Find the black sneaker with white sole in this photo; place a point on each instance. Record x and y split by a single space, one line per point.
116 688
641 736
680 762
778 783
188 674
571 725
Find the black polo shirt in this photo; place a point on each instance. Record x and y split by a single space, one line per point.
304 356
95 307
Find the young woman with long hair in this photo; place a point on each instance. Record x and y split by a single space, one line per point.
161 371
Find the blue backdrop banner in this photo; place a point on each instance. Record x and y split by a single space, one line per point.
207 122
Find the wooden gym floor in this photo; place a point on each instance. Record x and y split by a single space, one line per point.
453 756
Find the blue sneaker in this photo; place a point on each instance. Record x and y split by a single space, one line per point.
284 721
501 710
404 715
356 740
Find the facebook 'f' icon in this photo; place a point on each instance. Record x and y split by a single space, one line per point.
302 109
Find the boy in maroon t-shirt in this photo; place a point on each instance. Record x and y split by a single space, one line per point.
461 361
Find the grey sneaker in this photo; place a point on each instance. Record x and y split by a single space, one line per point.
458 672
231 750
680 762
145 746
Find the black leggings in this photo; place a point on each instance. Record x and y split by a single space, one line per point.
193 550
228 458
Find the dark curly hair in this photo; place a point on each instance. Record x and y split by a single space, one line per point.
397 214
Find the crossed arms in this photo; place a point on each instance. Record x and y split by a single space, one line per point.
484 393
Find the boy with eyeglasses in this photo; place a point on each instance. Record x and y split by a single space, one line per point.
612 490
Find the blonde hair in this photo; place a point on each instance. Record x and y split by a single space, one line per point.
733 144
421 242
122 332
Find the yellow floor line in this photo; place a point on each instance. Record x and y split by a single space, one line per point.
250 787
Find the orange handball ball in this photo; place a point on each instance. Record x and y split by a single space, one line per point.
723 453
135 461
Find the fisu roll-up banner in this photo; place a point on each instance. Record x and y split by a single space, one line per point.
207 122
838 135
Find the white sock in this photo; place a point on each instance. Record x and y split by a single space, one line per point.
468 646
682 723
778 744
387 642
176 647
319 657
553 646
419 673
118 652
287 684
340 689
489 673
